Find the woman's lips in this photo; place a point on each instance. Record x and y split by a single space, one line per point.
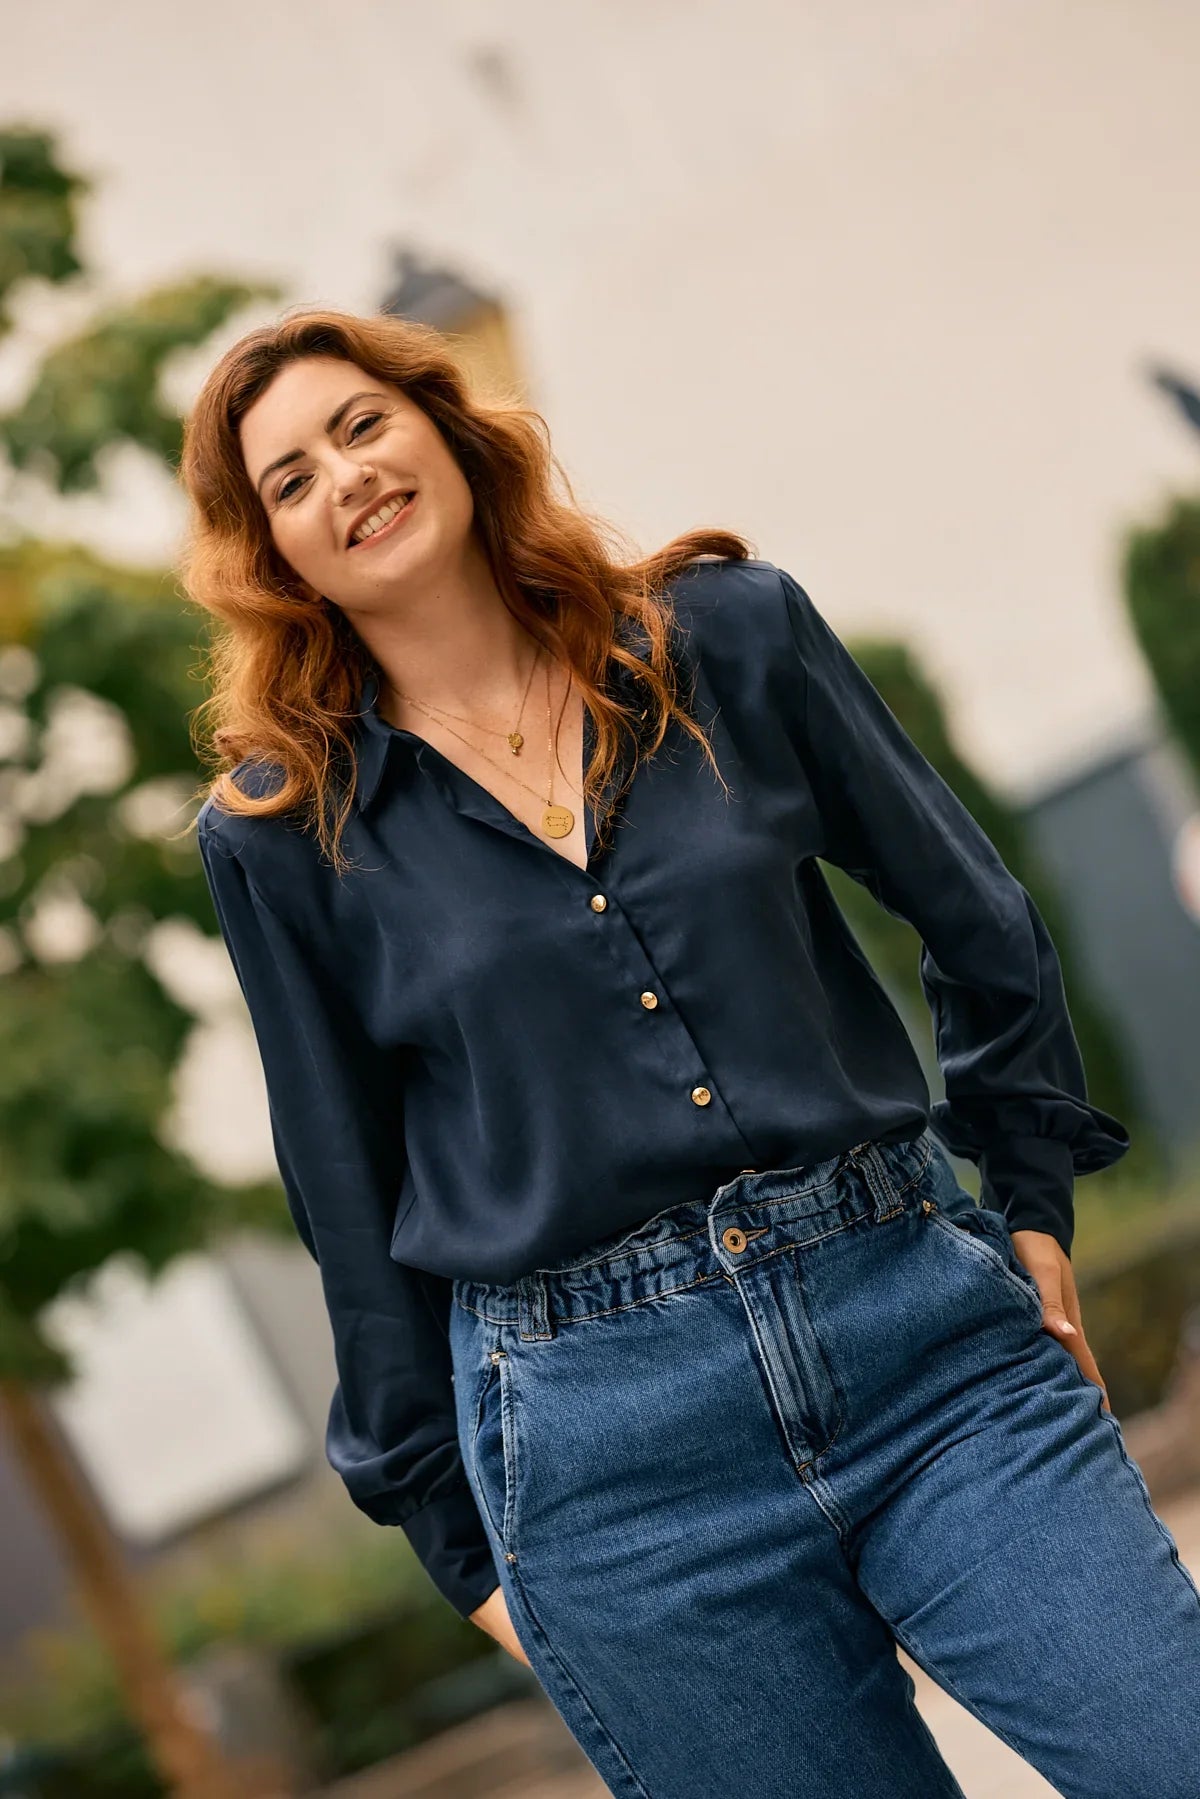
377 536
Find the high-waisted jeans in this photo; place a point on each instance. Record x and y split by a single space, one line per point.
729 1458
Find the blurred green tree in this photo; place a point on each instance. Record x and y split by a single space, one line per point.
1161 578
38 215
95 688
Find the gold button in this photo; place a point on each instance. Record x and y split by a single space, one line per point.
701 1095
734 1239
649 1000
598 902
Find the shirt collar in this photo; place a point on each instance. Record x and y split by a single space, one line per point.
375 736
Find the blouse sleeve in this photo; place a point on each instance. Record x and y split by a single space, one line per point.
336 1112
1016 1099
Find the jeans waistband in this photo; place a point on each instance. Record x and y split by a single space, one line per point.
751 1217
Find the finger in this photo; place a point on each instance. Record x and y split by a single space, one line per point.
1054 1316
1079 1348
1087 1362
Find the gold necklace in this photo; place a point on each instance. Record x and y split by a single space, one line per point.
514 738
557 821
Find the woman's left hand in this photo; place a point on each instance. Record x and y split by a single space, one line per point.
1050 1267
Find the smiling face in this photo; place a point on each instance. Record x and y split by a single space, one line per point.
329 448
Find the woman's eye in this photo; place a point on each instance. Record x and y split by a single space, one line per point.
287 491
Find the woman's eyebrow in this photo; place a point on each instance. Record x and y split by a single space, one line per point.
331 424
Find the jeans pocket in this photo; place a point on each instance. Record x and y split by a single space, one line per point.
984 1234
493 1447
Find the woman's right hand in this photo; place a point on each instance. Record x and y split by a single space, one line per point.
493 1617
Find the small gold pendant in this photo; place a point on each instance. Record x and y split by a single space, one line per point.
515 740
558 821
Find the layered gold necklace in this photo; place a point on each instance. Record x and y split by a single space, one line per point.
557 821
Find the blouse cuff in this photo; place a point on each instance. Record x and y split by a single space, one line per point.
448 1537
1031 1181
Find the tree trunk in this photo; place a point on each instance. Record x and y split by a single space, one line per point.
187 1760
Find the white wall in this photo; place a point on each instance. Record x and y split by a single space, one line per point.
873 284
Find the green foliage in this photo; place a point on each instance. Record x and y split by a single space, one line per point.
114 1764
378 1689
282 1598
88 1045
38 214
894 947
101 387
1161 571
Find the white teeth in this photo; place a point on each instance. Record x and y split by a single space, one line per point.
378 519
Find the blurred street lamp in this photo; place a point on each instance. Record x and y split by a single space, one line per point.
1185 396
478 322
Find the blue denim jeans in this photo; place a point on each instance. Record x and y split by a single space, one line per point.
729 1458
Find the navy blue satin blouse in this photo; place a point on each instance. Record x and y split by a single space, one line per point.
467 1077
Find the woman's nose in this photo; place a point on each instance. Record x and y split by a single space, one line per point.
350 478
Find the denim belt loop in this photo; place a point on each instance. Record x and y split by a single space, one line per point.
879 1179
533 1307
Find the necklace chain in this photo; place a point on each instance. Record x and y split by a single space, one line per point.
514 738
557 821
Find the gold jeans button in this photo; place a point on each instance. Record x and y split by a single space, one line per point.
734 1239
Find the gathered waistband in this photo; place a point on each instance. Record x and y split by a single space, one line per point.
754 1216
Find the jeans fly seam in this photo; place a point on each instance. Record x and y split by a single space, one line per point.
843 1408
765 1363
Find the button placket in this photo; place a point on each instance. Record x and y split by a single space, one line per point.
700 1095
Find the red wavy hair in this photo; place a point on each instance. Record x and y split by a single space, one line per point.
285 674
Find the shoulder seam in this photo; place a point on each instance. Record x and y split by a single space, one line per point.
784 579
208 832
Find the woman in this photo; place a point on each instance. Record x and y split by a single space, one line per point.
662 1324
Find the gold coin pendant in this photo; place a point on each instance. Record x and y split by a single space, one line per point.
558 821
